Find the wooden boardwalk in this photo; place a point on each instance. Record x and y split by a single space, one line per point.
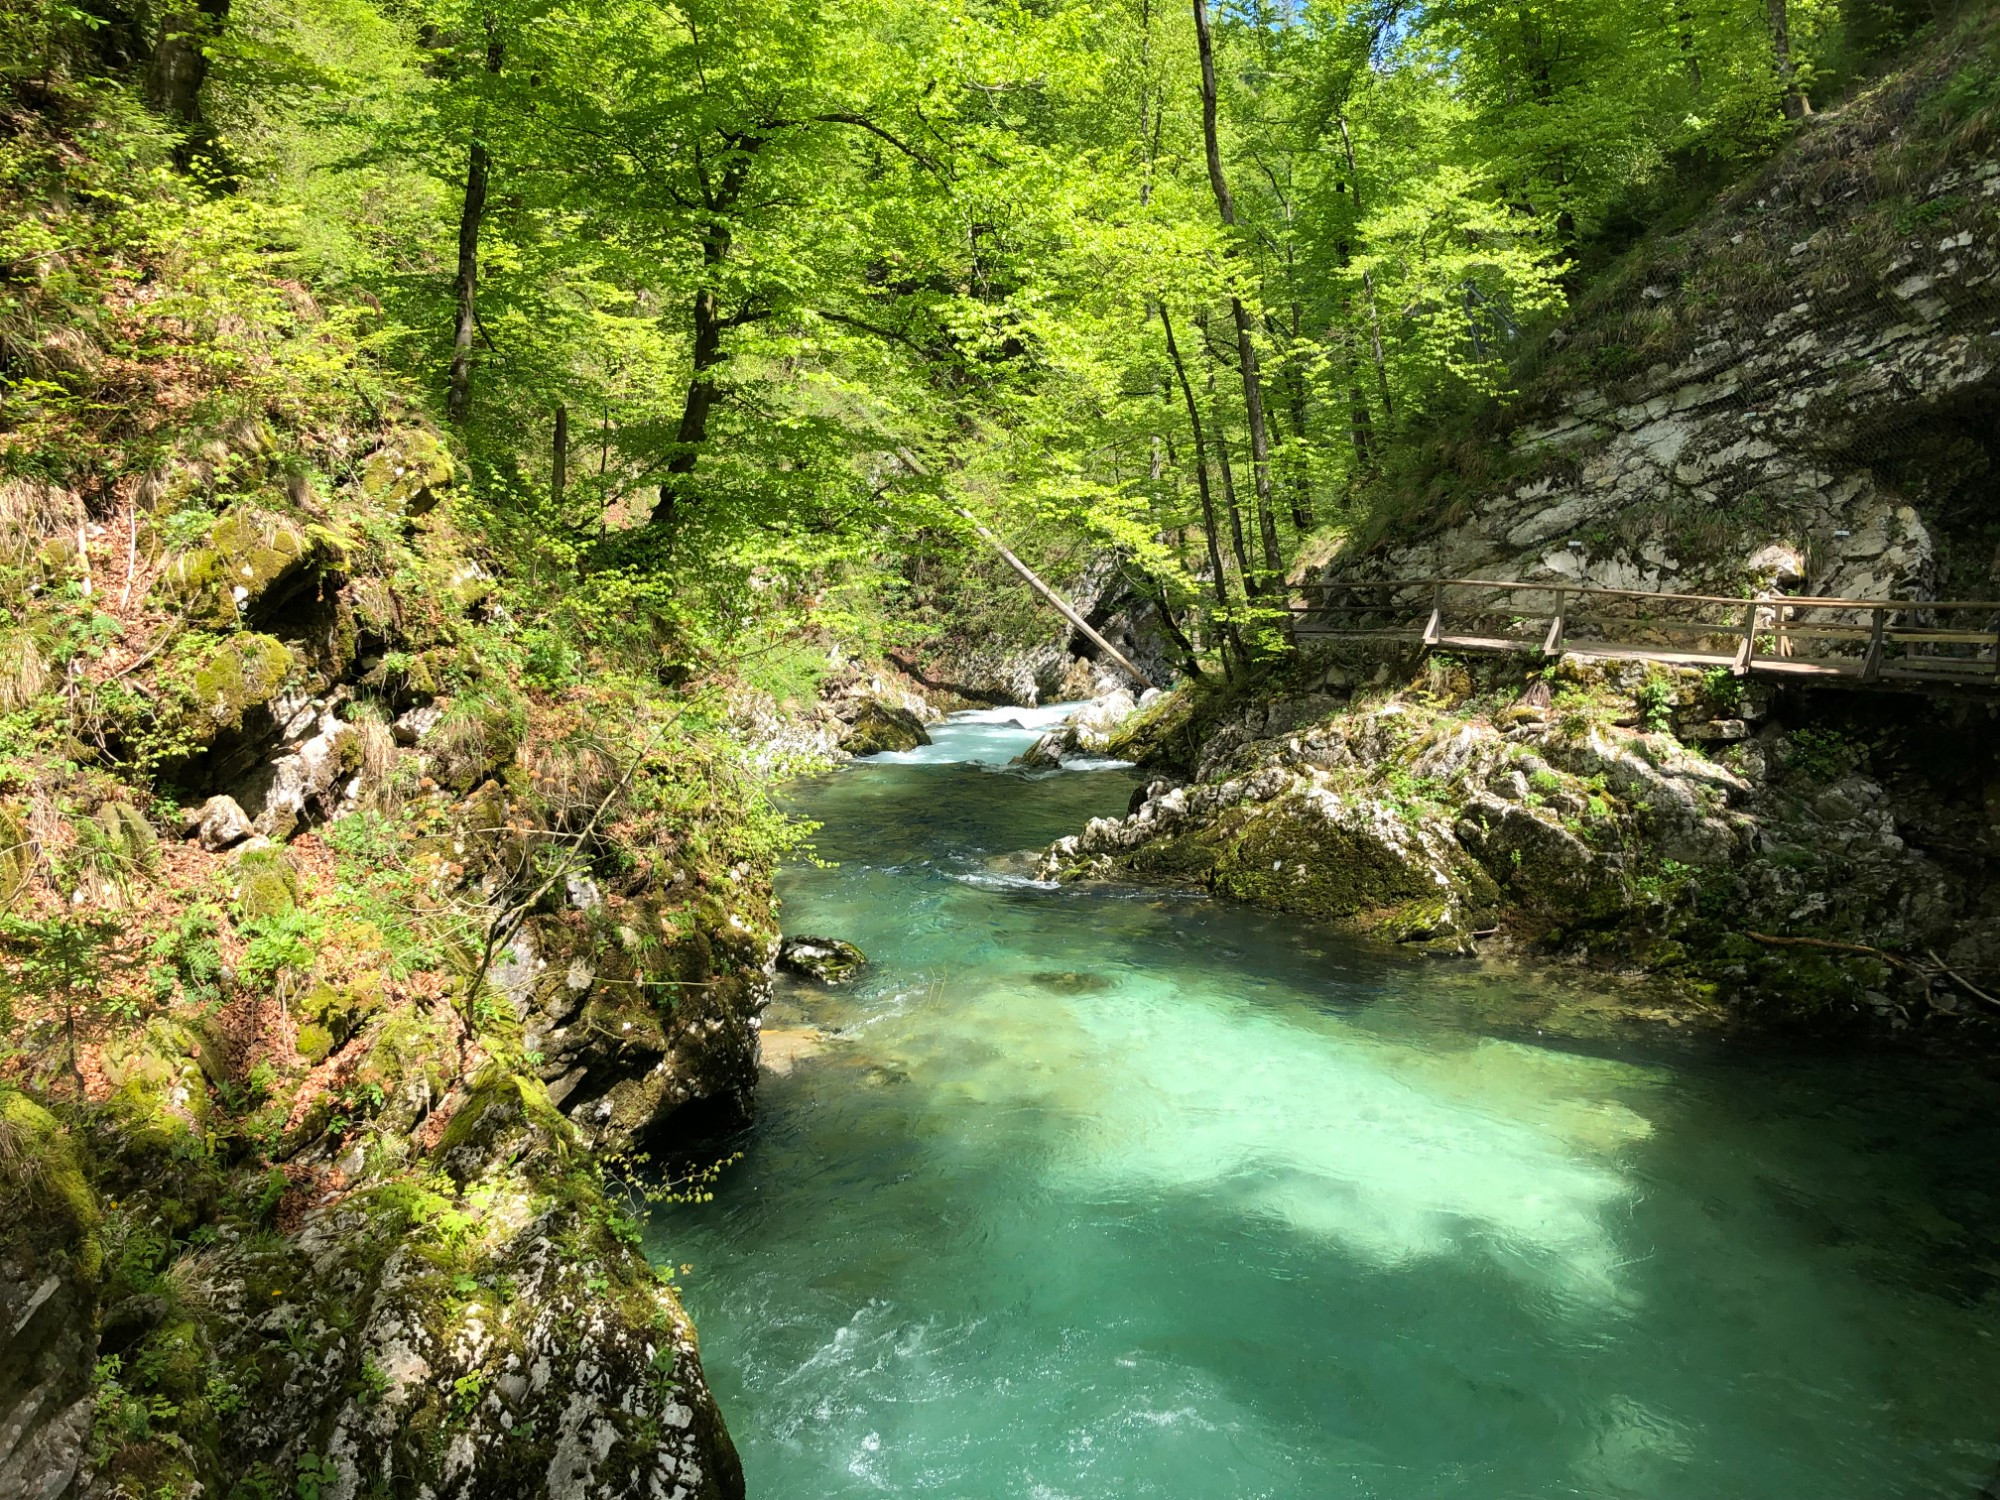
1863 642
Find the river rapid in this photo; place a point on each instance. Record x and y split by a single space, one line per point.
1103 1194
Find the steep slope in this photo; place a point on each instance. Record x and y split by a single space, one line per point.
366 914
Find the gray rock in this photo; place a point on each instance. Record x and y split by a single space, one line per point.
827 960
219 823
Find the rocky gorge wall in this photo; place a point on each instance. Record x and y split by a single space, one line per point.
1801 390
322 1144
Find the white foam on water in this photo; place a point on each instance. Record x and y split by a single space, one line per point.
980 736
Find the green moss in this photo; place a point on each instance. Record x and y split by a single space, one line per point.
314 1043
405 472
480 733
243 672
266 883
40 1162
248 559
159 1095
1157 734
883 726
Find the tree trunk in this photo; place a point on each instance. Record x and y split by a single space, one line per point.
1793 98
1690 58
559 468
472 213
1367 279
1246 349
1200 464
1243 568
1295 393
709 326
179 68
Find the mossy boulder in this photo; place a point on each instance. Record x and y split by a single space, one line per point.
250 563
828 960
405 473
42 1167
331 1014
266 883
881 726
1541 865
1317 853
159 1093
506 1118
479 733
243 672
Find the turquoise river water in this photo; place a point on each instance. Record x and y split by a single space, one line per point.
1108 1194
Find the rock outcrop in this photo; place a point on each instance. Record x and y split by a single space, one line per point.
1593 822
1798 393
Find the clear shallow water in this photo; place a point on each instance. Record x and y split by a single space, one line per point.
1102 1195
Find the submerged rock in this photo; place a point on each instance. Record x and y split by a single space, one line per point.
827 960
1091 730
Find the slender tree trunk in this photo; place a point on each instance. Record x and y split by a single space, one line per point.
472 213
1246 348
1243 568
559 469
1793 99
1690 58
1295 395
1367 280
1221 585
1146 101
709 326
1361 421
178 69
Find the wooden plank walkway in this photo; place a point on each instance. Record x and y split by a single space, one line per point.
1865 642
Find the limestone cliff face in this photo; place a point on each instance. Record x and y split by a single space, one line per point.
1803 389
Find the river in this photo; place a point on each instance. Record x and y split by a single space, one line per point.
1110 1194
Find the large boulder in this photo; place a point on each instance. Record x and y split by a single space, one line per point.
879 726
826 960
407 471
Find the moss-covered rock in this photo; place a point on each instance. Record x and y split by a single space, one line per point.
159 1093
266 884
479 734
881 726
242 673
41 1165
250 563
407 471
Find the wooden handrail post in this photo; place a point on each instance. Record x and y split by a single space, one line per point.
1435 626
1747 652
1556 626
1871 668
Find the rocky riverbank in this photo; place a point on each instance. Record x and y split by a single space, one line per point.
1814 858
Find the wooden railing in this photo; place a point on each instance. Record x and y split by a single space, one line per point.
1947 641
